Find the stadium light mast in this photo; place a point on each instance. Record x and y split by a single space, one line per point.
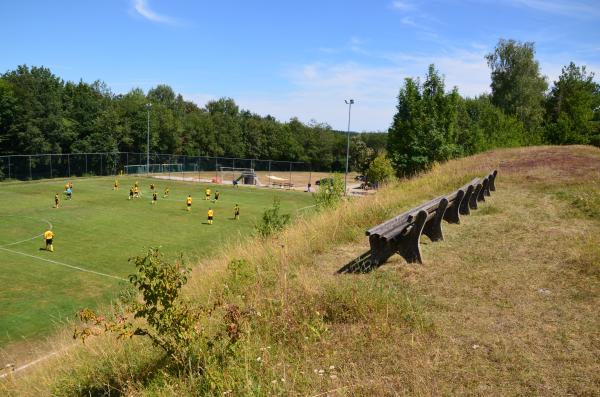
349 102
148 107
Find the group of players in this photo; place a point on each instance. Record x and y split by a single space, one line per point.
135 192
68 193
49 234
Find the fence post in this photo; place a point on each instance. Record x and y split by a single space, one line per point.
86 170
290 185
8 167
69 164
30 175
50 166
216 170
101 165
269 182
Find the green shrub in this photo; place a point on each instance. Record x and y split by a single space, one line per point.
330 193
380 170
272 220
171 323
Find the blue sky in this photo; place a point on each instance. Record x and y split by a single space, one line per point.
292 58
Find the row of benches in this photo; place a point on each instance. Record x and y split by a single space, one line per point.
402 233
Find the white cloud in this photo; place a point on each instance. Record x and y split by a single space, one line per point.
318 88
409 22
143 9
403 5
466 69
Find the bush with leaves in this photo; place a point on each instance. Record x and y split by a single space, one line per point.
380 170
272 220
330 192
171 322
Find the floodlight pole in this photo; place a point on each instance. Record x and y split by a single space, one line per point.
148 106
349 103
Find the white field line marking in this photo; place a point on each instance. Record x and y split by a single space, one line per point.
29 364
31 238
63 264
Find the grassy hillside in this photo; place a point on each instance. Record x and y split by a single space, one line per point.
507 304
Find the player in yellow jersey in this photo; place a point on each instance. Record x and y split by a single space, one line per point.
130 193
217 195
210 215
166 193
236 212
188 202
48 236
136 192
154 197
56 200
116 184
207 194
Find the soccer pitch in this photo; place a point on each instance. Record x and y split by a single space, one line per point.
95 234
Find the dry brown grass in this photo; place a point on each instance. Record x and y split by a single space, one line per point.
507 304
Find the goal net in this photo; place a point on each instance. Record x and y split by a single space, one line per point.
154 168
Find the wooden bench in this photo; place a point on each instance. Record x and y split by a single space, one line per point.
283 184
402 233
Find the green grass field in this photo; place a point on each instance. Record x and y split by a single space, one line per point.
98 230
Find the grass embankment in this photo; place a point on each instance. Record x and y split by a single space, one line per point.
507 304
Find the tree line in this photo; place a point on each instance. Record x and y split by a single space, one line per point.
432 125
41 113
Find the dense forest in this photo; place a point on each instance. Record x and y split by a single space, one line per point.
41 113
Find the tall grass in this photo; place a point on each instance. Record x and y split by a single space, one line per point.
472 320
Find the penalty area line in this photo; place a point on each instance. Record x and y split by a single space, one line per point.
81 269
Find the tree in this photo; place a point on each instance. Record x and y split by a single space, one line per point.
518 87
37 125
424 128
8 109
224 114
162 94
360 154
380 170
570 107
484 126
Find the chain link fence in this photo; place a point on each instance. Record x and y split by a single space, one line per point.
268 173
